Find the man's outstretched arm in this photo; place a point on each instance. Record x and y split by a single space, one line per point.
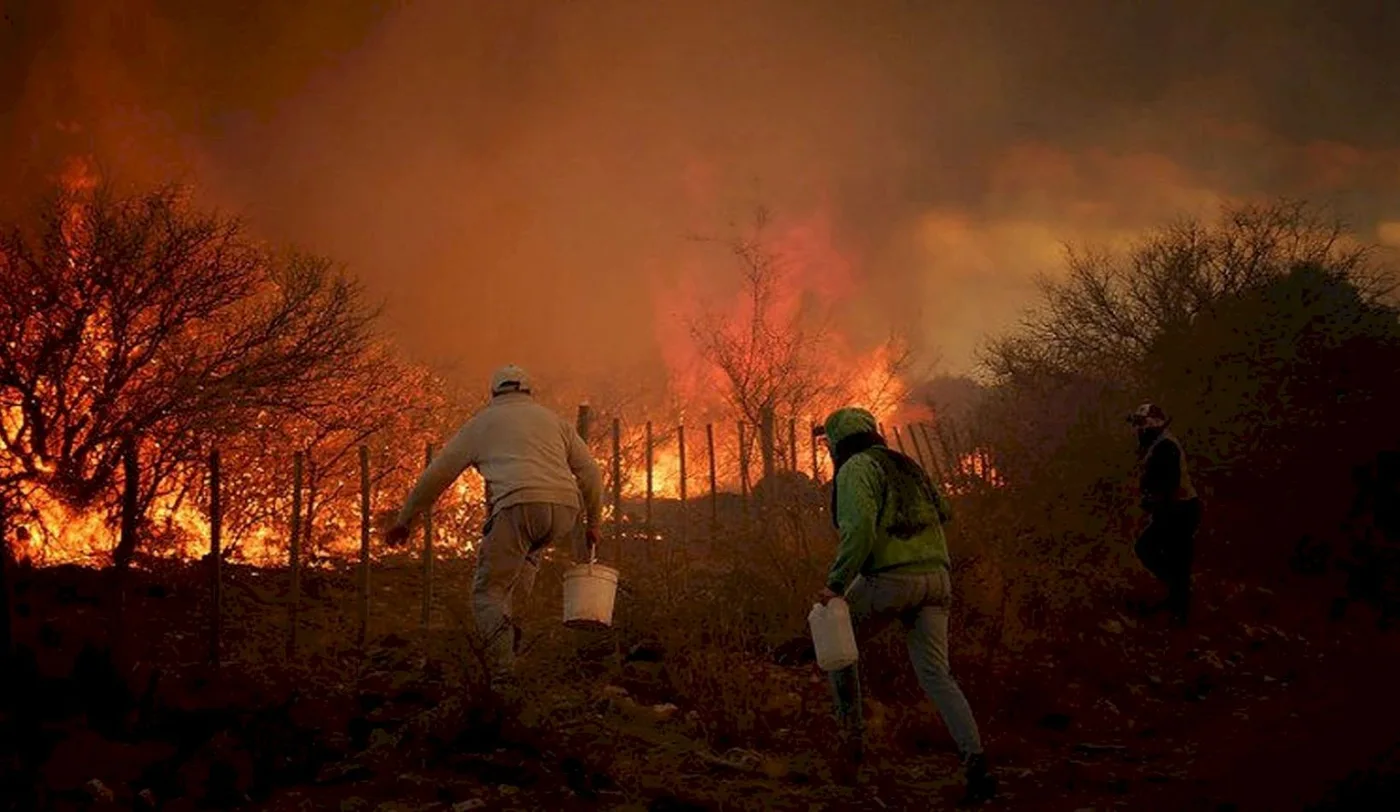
456 456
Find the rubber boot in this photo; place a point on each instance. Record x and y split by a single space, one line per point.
981 784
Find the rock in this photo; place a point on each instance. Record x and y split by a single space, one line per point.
784 704
343 772
795 651
1112 626
221 771
647 651
470 803
646 678
614 690
99 792
392 641
381 738
354 804
665 710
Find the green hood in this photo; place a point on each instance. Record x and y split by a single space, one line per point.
846 422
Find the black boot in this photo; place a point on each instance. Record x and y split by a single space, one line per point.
981 784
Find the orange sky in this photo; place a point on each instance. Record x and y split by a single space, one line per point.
517 179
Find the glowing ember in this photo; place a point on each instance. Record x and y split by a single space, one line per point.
975 468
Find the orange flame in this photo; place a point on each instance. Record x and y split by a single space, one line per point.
809 276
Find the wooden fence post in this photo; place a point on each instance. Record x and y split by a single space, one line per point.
685 508
216 556
131 493
650 530
767 441
918 448
898 440
364 545
617 486
935 466
584 423
816 464
744 470
714 480
308 527
7 634
792 444
427 617
294 557
126 544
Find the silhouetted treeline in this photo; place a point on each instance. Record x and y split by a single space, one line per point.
1270 337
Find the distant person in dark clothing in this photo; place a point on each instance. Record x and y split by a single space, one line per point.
1167 544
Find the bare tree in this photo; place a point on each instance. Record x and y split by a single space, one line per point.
1107 312
140 320
777 363
768 363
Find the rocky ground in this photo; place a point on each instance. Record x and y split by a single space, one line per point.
1269 702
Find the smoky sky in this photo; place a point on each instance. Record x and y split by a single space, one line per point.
516 180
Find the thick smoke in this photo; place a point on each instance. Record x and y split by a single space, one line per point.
515 178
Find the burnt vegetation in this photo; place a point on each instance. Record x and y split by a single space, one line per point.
145 331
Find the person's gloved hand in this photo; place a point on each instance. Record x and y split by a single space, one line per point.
825 595
594 538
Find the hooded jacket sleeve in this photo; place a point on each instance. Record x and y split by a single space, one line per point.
459 454
586 471
859 490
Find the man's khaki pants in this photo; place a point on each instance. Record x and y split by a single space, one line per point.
505 573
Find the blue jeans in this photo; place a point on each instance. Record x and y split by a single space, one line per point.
921 602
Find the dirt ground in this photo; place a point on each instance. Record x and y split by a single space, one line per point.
1271 700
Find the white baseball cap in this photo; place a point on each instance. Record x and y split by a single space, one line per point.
510 378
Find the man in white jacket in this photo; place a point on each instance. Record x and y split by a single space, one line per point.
536 468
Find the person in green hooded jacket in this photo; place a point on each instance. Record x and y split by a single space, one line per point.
892 562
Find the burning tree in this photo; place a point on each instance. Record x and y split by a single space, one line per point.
774 355
392 407
136 330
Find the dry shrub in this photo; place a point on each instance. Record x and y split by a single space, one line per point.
716 613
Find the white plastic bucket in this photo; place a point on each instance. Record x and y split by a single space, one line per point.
589 593
832 635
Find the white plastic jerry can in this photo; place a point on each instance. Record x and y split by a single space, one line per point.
832 635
